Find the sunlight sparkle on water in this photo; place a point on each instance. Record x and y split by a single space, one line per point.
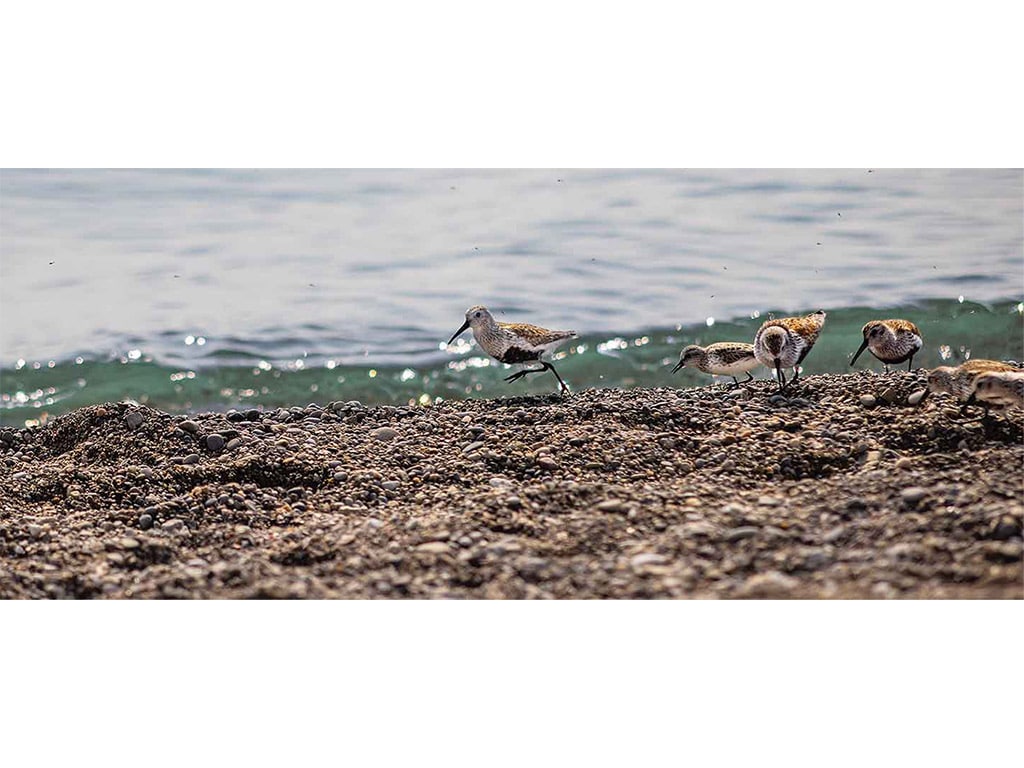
709 322
611 346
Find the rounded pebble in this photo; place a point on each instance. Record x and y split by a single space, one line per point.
915 398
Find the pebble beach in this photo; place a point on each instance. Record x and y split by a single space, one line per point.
839 489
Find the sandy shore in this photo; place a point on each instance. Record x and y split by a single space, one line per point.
638 493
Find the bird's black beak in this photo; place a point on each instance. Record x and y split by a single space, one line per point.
678 366
862 348
465 325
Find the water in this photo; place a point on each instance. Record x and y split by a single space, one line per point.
207 289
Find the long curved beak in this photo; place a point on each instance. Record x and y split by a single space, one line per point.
862 348
465 325
678 366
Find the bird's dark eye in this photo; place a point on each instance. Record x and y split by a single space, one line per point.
477 315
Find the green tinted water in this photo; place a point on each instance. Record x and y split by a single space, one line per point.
953 331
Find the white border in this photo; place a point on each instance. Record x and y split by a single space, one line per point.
458 84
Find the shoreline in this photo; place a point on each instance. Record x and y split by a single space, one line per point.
701 492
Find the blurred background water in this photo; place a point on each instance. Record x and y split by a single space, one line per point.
192 290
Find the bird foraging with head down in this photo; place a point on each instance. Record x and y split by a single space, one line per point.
891 341
726 358
784 343
982 382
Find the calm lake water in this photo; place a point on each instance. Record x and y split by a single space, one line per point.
206 289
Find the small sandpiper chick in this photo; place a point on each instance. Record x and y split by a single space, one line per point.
785 342
891 341
960 381
1000 390
726 358
514 343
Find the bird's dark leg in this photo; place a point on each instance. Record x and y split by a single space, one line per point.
735 383
750 376
525 372
885 367
910 362
551 368
780 376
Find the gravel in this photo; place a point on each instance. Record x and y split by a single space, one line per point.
605 494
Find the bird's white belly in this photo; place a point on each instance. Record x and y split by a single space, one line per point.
731 369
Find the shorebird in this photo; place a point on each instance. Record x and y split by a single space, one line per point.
891 341
961 381
785 342
1004 389
726 358
514 343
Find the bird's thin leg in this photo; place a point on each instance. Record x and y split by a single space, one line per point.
886 367
525 372
750 376
910 362
735 383
780 376
550 367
